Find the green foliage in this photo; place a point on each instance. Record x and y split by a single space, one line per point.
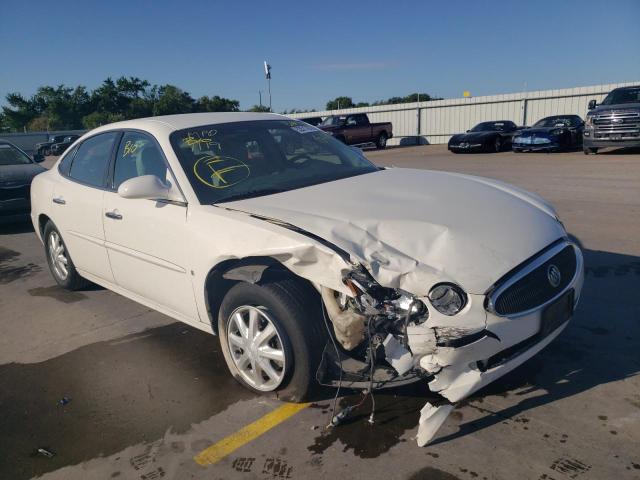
61 107
259 108
339 103
217 104
347 102
411 98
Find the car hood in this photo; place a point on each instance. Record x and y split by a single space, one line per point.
413 228
472 136
19 174
603 109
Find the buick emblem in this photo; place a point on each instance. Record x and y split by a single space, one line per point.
553 275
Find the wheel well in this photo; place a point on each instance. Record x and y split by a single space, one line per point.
42 221
259 270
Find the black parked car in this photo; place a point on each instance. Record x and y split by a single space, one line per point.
559 132
44 148
17 170
485 137
60 147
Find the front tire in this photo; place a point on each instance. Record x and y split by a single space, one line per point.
589 150
497 145
272 337
60 264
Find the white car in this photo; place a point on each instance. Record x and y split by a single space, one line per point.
309 262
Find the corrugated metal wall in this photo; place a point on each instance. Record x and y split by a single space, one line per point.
435 121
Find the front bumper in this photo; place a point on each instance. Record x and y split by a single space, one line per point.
601 138
509 340
466 147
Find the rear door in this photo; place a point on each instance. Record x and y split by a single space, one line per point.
77 204
147 240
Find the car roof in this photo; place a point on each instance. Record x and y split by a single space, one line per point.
166 124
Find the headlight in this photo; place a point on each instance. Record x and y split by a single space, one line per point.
447 298
589 120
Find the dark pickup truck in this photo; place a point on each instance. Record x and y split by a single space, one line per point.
44 148
355 129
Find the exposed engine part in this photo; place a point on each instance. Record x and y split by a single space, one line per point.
348 324
398 357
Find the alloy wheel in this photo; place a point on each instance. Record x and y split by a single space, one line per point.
58 256
256 348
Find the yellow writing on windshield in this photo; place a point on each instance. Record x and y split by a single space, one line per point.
220 171
201 138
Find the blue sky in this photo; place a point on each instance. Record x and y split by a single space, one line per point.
368 50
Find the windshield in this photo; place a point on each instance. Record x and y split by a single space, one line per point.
333 121
231 161
570 121
489 127
10 155
622 95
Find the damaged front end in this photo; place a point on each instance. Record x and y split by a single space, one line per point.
456 341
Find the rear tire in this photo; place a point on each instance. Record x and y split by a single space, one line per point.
300 336
60 264
381 142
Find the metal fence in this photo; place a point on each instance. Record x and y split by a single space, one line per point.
436 121
27 141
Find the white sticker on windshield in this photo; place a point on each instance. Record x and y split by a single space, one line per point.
305 128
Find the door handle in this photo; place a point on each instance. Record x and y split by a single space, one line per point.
59 201
115 215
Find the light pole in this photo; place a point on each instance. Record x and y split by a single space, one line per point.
267 73
260 95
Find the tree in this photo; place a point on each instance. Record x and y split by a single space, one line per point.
63 107
96 119
339 103
172 100
259 108
216 104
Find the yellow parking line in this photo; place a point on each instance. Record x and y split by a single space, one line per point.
227 445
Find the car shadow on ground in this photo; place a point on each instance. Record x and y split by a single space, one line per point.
599 346
16 224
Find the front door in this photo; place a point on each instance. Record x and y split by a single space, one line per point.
147 240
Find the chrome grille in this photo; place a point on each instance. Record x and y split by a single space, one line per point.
529 286
618 121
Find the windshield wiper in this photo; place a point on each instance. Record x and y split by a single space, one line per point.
250 194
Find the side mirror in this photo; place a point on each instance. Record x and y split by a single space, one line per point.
148 187
592 104
38 157
468 131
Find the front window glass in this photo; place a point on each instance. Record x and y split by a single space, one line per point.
10 155
232 161
333 121
90 163
569 121
490 127
623 95
138 155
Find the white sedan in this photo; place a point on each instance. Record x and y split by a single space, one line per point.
310 263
